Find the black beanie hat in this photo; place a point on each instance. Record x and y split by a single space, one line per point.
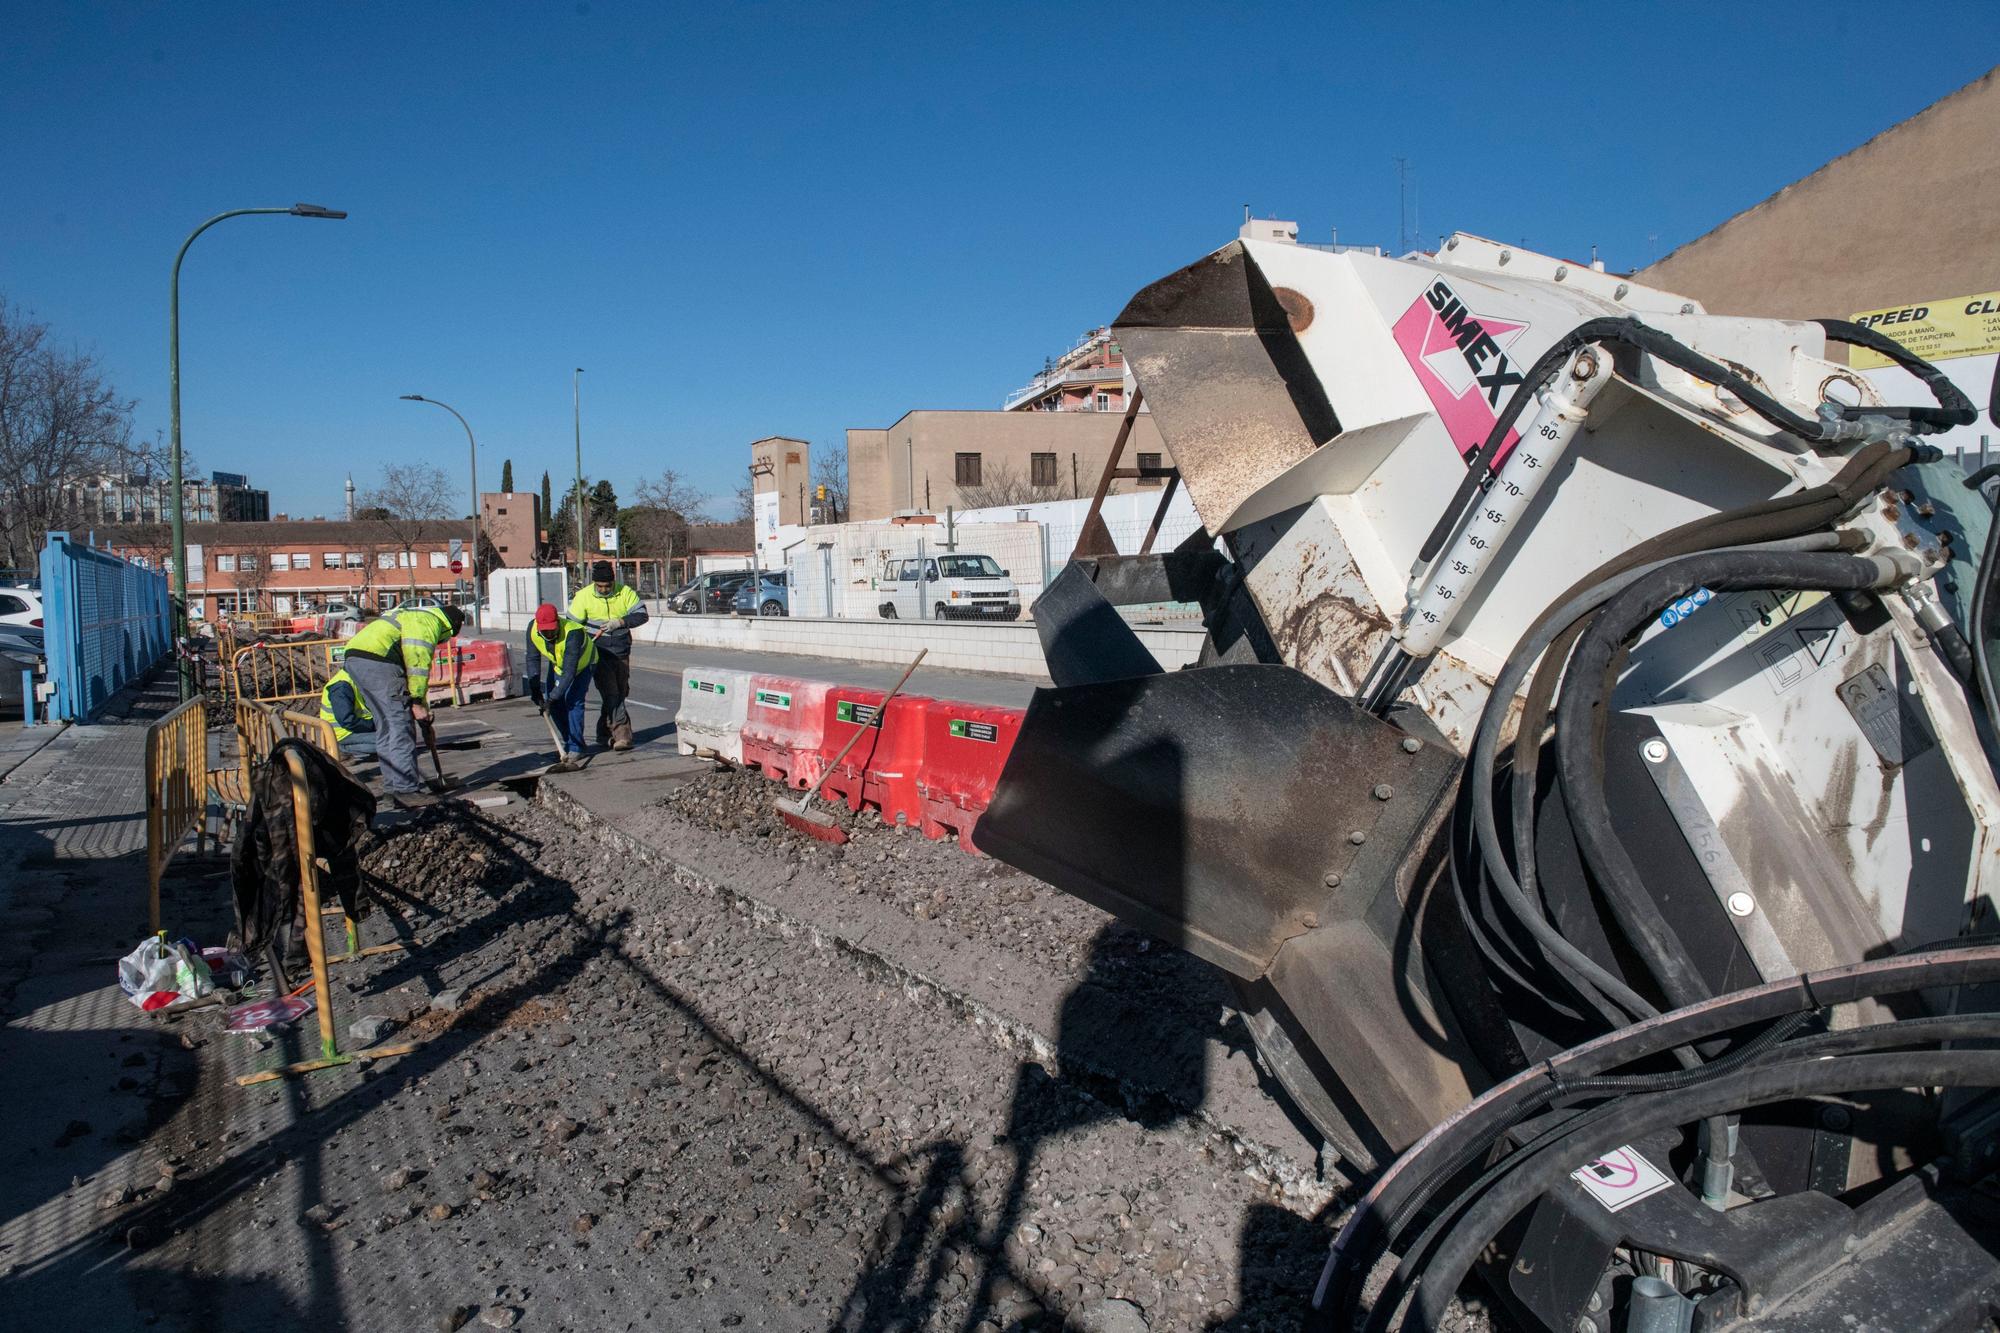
601 572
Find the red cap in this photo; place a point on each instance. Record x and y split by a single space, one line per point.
545 616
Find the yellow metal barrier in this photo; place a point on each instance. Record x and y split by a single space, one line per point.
176 791
312 729
329 1049
277 672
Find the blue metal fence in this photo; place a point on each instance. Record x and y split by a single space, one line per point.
106 621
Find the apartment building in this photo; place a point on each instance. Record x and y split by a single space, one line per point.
932 460
285 566
224 497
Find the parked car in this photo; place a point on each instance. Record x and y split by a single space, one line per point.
713 592
20 606
768 596
22 648
955 586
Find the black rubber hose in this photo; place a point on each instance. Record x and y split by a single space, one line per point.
1953 409
1757 1086
1982 597
1416 1255
1584 707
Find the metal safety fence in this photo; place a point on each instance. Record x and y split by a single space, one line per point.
107 620
176 791
277 672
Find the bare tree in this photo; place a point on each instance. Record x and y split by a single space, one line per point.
664 506
746 504
1001 485
830 474
415 502
61 428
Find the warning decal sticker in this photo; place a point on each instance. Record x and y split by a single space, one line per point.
1620 1179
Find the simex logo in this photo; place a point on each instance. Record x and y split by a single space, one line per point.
1462 360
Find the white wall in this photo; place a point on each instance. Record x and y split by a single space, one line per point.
1007 649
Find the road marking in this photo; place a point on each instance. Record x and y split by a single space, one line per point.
641 703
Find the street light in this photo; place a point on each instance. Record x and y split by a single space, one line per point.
174 393
576 407
474 444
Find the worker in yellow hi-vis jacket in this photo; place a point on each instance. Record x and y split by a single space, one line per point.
611 611
389 661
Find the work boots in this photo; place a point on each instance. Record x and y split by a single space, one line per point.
621 736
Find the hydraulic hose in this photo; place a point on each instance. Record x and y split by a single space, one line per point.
1637 1117
1584 707
1584 974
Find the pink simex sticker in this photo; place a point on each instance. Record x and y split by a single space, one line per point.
1462 360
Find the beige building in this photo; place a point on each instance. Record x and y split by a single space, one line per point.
783 466
508 521
965 460
1911 215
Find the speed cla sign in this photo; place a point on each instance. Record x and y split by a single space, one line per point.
1935 330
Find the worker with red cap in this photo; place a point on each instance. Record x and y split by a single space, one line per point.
562 684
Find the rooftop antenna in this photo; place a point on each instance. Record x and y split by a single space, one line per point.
1402 205
1246 213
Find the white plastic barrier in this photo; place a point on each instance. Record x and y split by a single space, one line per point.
713 706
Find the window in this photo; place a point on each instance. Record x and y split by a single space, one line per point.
439 560
329 560
967 469
356 560
225 564
1146 461
502 511
247 563
1104 402
969 567
302 560
1042 469
406 559
11 606
909 574
503 550
385 560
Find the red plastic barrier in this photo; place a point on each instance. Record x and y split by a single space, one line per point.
482 660
896 769
965 747
783 728
848 707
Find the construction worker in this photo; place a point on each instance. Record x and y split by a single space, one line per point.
611 611
389 661
341 704
562 687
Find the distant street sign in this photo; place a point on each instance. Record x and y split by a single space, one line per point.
458 566
607 539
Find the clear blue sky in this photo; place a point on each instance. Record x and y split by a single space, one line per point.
755 219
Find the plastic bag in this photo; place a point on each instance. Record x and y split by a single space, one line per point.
157 974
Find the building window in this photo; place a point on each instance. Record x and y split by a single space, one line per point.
1042 469
385 560
503 550
406 559
439 560
1104 402
1146 461
302 560
329 560
356 560
967 469
502 511
225 564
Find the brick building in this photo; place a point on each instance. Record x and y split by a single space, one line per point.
512 526
285 566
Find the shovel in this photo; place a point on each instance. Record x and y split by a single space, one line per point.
563 763
431 742
817 823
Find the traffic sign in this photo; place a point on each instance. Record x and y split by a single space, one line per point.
458 566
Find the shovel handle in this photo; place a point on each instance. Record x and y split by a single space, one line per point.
859 731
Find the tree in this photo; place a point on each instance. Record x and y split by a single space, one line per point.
507 475
601 509
657 524
830 474
61 427
414 499
547 516
746 504
1002 485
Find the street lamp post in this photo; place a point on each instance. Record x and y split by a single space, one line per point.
576 410
474 446
177 501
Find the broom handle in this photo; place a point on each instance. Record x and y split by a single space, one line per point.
861 730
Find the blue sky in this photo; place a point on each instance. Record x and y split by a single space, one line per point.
759 219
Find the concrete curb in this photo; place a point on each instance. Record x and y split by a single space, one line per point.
1304 1188
28 743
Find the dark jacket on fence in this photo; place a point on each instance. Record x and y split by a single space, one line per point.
264 863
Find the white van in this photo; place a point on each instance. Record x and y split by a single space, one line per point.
953 585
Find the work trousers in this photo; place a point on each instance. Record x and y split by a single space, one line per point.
614 684
360 744
385 688
568 710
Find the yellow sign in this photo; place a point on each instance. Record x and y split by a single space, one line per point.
1935 330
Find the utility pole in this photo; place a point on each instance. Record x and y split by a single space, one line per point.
474 446
576 412
177 501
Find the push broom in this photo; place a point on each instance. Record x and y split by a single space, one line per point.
817 823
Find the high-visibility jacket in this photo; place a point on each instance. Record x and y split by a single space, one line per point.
341 704
408 638
567 651
620 612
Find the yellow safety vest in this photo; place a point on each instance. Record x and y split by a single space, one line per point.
563 630
326 712
587 605
410 637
